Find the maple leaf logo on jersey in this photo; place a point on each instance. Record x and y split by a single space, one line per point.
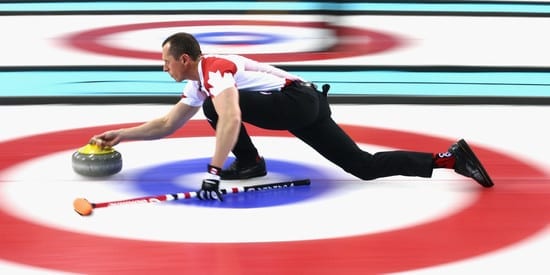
220 82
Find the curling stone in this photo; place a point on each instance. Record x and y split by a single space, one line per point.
94 161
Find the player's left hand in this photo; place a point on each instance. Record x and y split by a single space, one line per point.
210 188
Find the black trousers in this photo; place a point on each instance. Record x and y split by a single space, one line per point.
305 112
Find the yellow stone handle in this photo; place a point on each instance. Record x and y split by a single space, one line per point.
94 149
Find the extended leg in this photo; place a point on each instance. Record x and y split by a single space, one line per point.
327 138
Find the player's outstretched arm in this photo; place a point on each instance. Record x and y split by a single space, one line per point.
154 129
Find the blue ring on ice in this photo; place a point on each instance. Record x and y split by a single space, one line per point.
162 179
238 38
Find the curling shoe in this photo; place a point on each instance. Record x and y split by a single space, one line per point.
238 171
467 164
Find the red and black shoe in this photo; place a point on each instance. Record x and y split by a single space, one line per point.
467 164
238 170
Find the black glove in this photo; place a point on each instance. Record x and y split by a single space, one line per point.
210 188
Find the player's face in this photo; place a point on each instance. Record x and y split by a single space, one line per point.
174 67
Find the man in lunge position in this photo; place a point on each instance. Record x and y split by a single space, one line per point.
233 89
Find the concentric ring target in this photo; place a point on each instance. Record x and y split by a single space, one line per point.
349 41
472 231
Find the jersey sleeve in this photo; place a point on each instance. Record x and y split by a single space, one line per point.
191 95
218 74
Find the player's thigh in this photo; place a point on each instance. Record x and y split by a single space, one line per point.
278 110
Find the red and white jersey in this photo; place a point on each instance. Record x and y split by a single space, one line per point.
219 72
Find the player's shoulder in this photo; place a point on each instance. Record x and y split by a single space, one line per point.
235 58
225 62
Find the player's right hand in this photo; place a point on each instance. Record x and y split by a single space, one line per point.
106 139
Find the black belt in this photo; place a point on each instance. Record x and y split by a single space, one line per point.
304 84
312 85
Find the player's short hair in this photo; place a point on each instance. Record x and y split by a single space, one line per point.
181 43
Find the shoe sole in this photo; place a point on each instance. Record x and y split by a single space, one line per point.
468 151
244 178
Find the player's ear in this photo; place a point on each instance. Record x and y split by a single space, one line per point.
184 58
